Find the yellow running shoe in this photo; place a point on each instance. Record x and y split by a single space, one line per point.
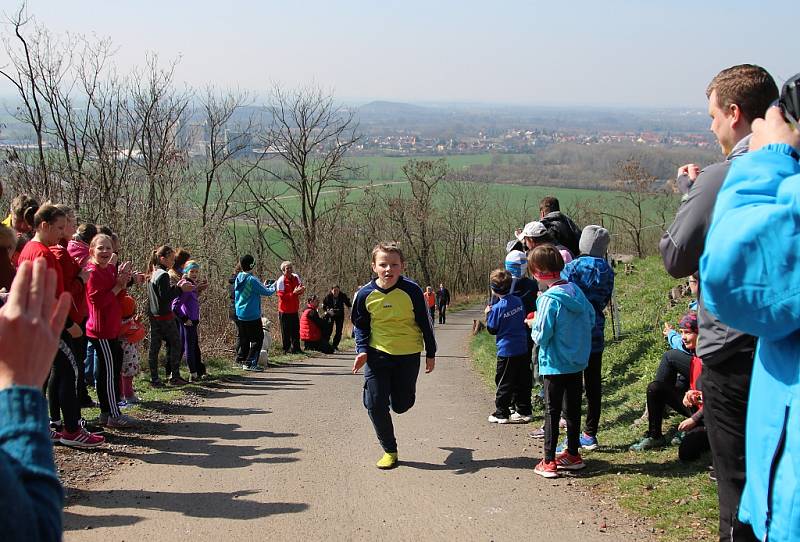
388 461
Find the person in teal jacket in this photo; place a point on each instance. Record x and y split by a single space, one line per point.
562 327
751 276
247 293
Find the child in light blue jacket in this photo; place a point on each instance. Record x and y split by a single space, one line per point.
247 293
562 328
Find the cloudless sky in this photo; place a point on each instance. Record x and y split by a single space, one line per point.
607 52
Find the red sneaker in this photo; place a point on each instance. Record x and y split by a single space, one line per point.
545 468
567 461
55 435
81 439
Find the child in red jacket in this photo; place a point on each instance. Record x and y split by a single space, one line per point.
130 335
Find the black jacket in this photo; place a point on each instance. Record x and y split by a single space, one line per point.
334 306
563 230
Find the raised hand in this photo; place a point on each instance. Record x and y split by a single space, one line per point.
30 326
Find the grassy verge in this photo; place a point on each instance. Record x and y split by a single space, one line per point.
678 498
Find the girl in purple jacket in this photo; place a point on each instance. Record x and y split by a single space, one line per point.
187 309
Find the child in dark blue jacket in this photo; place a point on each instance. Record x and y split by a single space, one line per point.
591 273
506 320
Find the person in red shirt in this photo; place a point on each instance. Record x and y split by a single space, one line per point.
430 301
106 281
314 331
49 224
289 288
74 277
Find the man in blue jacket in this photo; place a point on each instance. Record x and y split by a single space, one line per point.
751 280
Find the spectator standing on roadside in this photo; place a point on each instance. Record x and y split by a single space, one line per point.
736 97
560 227
442 301
289 288
430 301
750 281
592 274
535 233
333 305
248 291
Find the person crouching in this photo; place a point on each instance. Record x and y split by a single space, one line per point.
314 331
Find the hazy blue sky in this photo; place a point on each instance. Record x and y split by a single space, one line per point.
526 52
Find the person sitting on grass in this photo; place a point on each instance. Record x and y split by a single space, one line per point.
505 319
314 331
562 327
247 291
660 393
392 325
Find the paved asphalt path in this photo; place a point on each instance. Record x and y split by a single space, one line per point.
289 454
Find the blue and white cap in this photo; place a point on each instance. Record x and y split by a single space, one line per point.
516 260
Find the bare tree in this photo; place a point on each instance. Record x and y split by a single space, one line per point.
415 216
638 190
21 73
308 140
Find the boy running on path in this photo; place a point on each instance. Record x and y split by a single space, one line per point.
391 323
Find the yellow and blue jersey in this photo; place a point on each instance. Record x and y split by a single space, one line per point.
395 321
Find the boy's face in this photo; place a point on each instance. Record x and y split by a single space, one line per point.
388 267
193 273
689 338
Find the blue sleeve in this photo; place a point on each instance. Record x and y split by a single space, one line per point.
260 288
493 320
422 317
31 495
361 319
675 341
749 270
542 328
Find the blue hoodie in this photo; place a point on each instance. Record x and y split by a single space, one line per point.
247 292
563 330
595 278
751 281
506 320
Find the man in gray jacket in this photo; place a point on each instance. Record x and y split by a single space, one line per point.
736 96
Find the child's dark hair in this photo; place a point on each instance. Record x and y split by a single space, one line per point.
105 230
312 297
390 248
155 258
545 258
47 213
500 281
181 257
86 232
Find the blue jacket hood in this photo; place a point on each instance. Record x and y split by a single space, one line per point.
595 278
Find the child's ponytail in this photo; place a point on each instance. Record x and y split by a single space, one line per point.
155 258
